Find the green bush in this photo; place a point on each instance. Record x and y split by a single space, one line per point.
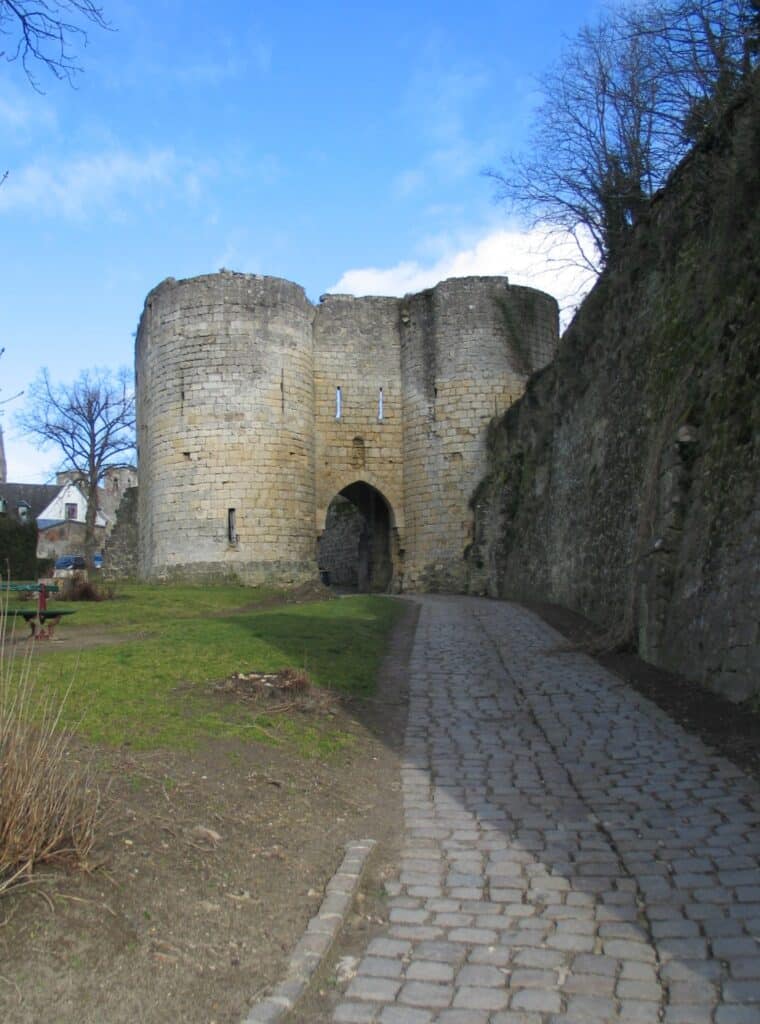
18 549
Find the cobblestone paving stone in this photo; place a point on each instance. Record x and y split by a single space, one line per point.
570 854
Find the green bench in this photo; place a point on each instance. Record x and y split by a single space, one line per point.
42 620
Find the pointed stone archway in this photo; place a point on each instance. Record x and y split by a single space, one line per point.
356 549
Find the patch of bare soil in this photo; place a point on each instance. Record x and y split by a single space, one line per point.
733 730
208 868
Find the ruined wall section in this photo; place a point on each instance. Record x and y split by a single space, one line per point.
226 421
122 545
357 349
467 348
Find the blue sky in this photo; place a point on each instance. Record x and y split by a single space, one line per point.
337 145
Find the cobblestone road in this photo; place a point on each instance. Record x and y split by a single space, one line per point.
570 854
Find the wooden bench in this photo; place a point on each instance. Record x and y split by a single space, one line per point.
42 620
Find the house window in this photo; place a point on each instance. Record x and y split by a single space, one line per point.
338 403
232 536
23 513
71 510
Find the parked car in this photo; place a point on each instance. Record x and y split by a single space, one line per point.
67 565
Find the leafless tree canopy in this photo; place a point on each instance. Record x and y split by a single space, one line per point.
47 33
620 109
91 422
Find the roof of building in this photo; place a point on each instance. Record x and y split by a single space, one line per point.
36 496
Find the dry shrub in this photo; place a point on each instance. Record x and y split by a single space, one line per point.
295 679
49 808
79 588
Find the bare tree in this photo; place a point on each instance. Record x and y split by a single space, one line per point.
592 158
701 51
620 109
91 422
46 32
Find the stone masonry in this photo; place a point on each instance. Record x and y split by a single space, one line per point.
256 409
571 855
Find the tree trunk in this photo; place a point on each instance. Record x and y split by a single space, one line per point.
89 522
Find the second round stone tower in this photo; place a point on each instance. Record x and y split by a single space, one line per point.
263 419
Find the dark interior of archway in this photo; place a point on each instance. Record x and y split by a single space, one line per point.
355 548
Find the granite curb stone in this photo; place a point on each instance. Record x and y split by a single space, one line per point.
318 938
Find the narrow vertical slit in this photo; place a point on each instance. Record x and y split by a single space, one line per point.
338 403
380 405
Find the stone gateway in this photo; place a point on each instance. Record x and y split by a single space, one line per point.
263 419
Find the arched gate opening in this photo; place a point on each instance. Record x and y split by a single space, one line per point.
355 550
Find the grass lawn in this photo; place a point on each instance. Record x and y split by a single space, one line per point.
148 689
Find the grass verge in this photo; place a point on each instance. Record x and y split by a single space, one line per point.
151 689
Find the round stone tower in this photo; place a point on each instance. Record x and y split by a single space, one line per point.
468 347
225 420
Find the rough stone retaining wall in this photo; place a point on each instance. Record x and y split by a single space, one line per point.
625 483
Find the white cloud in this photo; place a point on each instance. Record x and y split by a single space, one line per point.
73 188
537 258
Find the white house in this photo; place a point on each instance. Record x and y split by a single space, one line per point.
61 524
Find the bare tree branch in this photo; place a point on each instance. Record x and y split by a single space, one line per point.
46 32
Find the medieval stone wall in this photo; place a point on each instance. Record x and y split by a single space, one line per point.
625 483
357 349
242 445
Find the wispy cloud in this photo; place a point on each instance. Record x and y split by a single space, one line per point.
235 61
438 97
81 186
538 258
438 102
407 182
205 72
19 113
